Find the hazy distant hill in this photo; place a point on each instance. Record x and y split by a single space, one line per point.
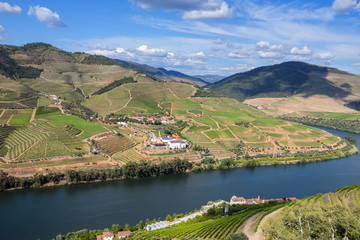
283 80
210 78
163 74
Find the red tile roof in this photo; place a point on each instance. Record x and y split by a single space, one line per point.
99 237
238 199
123 234
108 234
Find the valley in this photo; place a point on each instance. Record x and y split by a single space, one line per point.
78 96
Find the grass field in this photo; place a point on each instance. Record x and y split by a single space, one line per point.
22 117
89 129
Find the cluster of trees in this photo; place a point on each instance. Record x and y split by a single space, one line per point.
10 68
130 170
329 222
114 84
113 118
243 124
207 93
174 128
99 60
199 148
78 110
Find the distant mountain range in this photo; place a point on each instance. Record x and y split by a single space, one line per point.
284 80
171 75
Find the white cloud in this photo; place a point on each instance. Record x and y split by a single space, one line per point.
43 14
2 29
344 6
304 51
122 50
222 11
198 55
6 7
324 55
156 52
263 44
264 54
191 9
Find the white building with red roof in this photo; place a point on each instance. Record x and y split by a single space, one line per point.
237 200
240 200
111 235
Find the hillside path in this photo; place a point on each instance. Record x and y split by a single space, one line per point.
130 98
32 118
173 93
249 225
108 99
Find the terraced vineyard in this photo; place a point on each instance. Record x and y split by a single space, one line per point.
216 228
113 144
331 215
42 140
129 155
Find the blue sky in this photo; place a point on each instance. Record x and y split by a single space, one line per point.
193 36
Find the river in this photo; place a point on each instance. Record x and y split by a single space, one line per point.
44 213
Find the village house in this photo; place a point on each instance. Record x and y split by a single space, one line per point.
111 235
54 97
174 142
237 200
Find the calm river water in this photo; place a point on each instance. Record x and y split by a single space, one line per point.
44 213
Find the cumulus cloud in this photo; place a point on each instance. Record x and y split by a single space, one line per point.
43 14
192 9
222 11
6 7
156 52
301 51
263 44
344 6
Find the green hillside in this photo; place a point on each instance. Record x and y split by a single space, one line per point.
282 80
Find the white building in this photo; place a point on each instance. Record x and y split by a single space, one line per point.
166 139
237 200
177 144
157 225
124 124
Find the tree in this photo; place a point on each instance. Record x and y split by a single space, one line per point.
237 236
116 228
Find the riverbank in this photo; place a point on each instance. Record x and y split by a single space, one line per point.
133 170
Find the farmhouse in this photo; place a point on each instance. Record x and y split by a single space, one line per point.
237 200
111 235
174 142
54 97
